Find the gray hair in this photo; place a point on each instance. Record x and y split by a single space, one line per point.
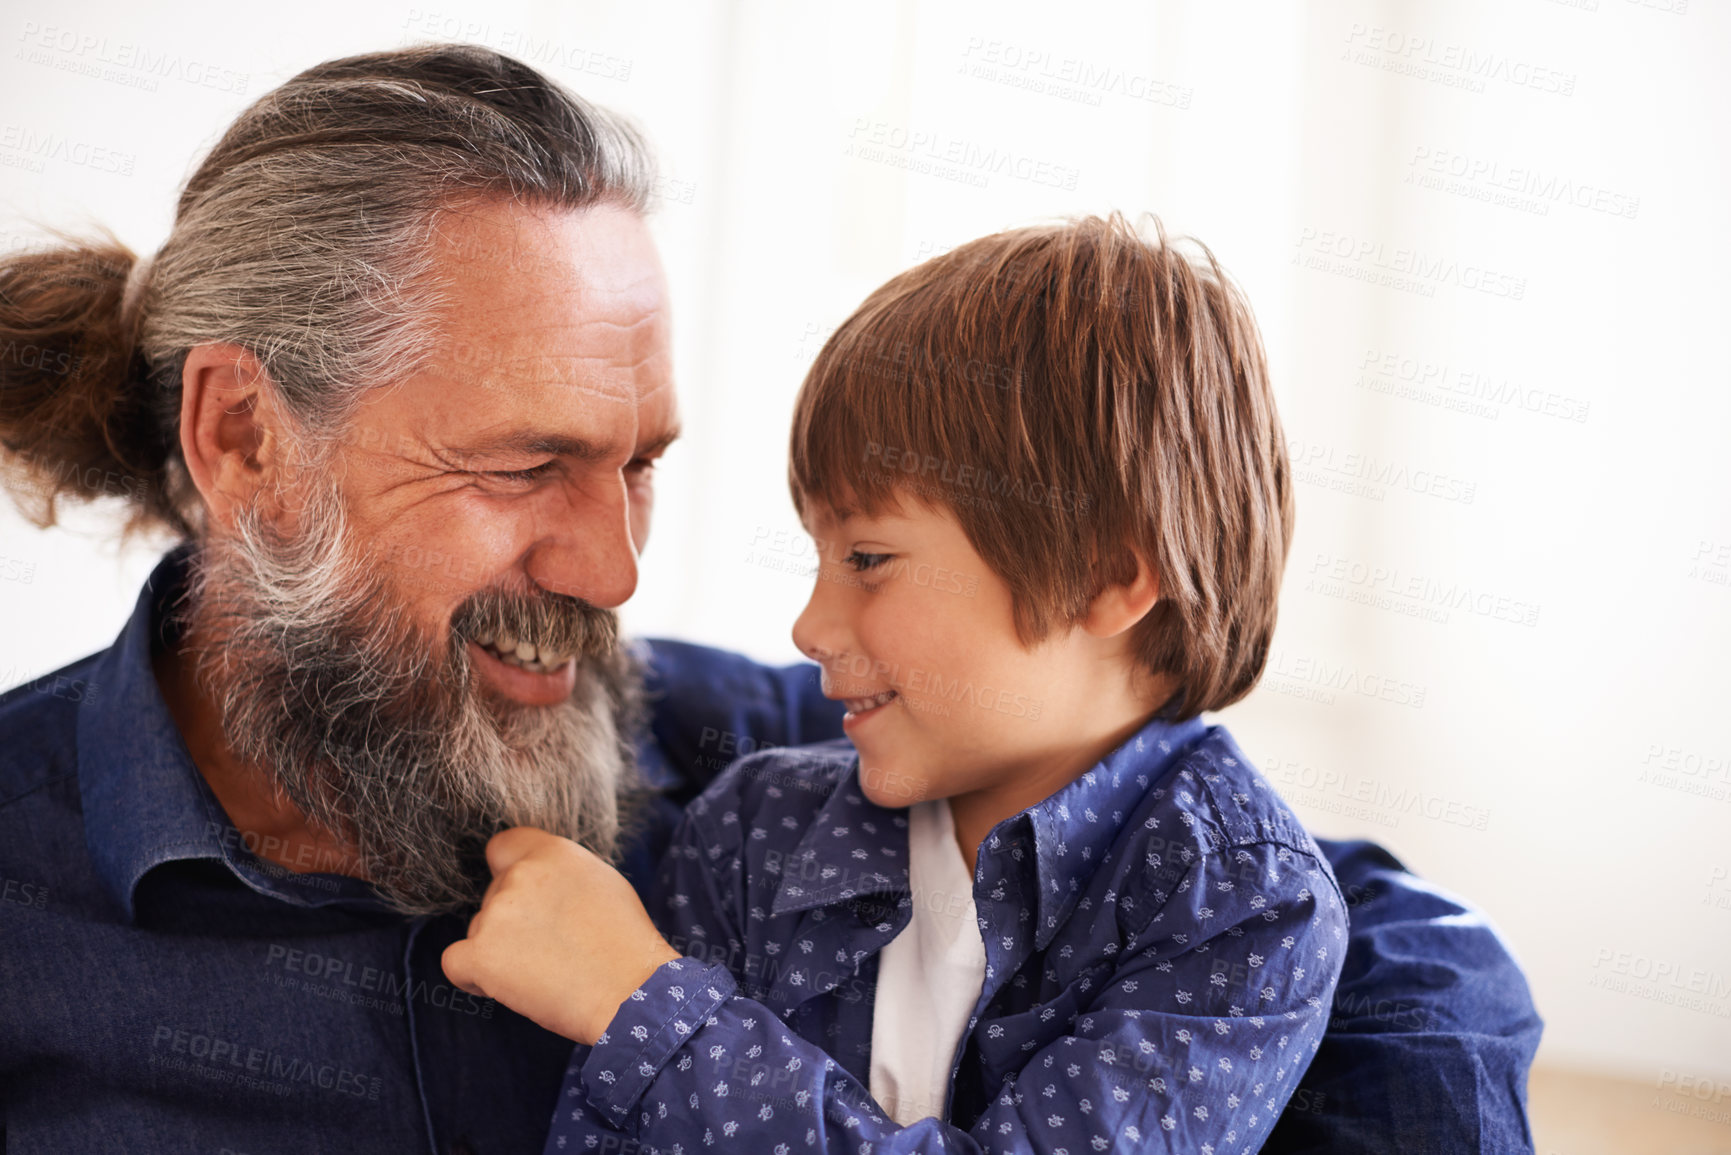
305 237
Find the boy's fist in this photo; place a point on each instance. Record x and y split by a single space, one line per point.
560 938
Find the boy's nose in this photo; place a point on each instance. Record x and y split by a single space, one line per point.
805 638
817 632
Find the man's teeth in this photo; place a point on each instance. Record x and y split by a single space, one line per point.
523 655
861 705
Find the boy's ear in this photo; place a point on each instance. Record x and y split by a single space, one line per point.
1118 607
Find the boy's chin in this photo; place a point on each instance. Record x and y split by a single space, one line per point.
886 785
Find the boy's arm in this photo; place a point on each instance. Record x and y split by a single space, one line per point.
707 707
1145 1065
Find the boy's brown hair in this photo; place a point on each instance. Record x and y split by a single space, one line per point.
1072 393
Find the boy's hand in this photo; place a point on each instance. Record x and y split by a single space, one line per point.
560 938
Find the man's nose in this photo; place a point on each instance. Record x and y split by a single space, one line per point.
586 551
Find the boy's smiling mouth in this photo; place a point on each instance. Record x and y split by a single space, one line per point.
857 707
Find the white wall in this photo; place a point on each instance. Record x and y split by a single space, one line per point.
1553 768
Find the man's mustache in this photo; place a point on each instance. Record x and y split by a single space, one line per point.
553 623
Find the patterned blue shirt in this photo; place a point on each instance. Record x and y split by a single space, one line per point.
1162 937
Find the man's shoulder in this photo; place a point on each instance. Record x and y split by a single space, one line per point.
676 669
709 706
39 729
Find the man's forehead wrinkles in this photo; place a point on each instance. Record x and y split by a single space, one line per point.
641 301
531 326
543 359
607 380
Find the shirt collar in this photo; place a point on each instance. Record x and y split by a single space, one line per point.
852 847
145 802
1073 829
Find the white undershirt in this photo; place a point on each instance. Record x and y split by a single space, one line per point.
929 975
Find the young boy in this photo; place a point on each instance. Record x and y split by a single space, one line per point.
1034 901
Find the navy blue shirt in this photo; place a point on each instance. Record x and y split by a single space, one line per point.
166 990
1162 943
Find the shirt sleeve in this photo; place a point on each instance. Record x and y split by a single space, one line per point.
707 707
1176 1050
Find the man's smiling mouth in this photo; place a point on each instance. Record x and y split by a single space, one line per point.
522 654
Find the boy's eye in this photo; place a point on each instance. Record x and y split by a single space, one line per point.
534 473
864 561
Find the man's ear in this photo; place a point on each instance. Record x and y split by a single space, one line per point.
229 430
1118 607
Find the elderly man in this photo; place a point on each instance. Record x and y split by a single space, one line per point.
400 377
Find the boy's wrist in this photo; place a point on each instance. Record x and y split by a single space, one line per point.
653 1022
592 1016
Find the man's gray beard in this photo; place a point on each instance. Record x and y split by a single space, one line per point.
379 734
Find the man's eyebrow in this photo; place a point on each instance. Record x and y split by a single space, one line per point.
558 445
650 449
551 444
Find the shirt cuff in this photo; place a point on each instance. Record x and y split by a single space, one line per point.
647 1029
